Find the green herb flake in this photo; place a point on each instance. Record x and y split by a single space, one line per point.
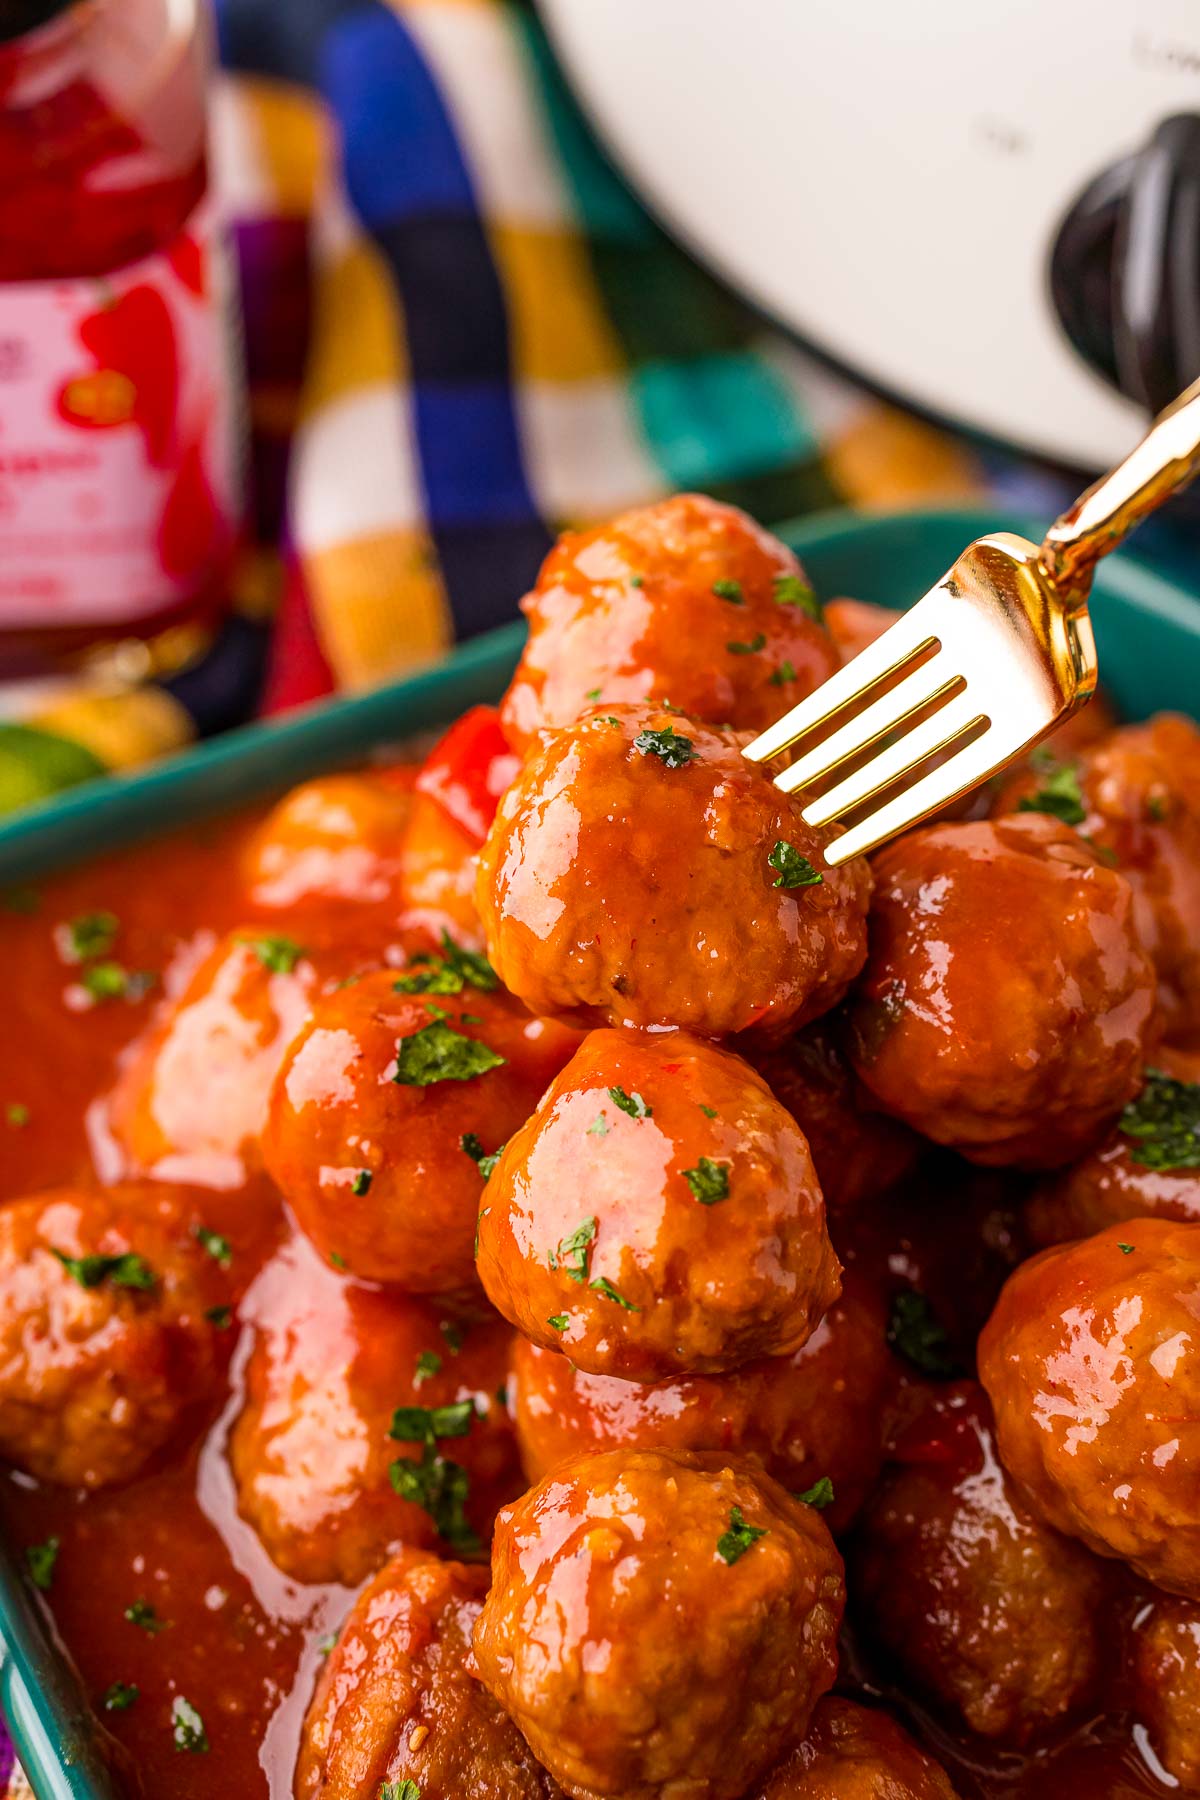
220 1316
440 1488
1156 808
107 981
120 1696
428 1364
448 973
188 1727
1126 1249
1164 1122
671 749
709 1181
633 1104
599 1126
17 1114
85 936
602 1285
918 1335
733 1544
819 1495
557 1321
218 1247
276 953
710 1112
425 1424
592 694
1059 795
40 1560
637 581
783 674
794 870
127 1270
361 1183
729 590
439 1053
326 1645
757 642
485 1160
572 1253
338 1262
400 1790
793 590
143 1615
454 1335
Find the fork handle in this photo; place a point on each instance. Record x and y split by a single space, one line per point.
1166 460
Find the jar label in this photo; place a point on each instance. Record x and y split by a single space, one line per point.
119 471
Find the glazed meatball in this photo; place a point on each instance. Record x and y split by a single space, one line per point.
1166 1684
686 600
640 871
397 1704
111 1328
1147 1167
808 1416
660 1623
387 1100
190 1101
370 1421
437 875
1092 1362
1006 1000
658 1215
857 1153
1136 796
334 839
856 1753
976 1600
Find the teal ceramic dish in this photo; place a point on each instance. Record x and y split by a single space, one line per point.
1148 635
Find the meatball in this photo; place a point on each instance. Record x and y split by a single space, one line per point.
808 1416
370 1421
112 1328
1147 1167
658 1215
854 625
976 1600
1006 1001
640 871
1136 796
190 1101
660 1623
858 1154
437 875
856 1753
1092 1363
396 1703
386 1102
334 839
687 600
1166 1684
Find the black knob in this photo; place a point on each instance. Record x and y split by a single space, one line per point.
1125 267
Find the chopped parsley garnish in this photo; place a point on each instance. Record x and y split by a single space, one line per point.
794 870
735 1542
1126 1249
592 694
277 953
915 1331
17 1113
453 1334
449 973
121 1696
672 750
709 1181
1156 808
428 1364
440 1488
729 590
112 981
128 1270
710 1112
602 1285
637 581
757 642
633 1104
1059 795
557 1321
40 1560
439 1053
400 1790
326 1645
218 1247
819 1495
1164 1120
220 1316
571 1254
338 1262
143 1615
484 1160
793 590
424 1424
598 1126
360 1183
87 935
189 1732
783 674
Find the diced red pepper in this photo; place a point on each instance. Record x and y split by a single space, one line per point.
469 769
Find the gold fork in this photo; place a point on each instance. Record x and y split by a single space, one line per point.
992 658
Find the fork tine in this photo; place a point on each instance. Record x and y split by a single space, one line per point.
927 683
899 643
897 761
965 769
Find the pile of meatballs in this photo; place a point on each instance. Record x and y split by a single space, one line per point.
692 1257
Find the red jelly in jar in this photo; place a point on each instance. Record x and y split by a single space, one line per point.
118 453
